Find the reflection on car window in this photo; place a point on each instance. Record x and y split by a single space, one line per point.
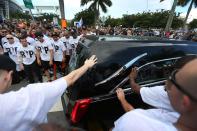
156 71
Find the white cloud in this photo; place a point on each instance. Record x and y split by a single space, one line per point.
192 15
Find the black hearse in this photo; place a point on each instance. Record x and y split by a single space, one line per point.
92 102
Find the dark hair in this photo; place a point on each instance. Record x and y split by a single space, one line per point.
38 34
55 34
22 37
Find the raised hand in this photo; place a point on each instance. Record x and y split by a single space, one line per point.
91 61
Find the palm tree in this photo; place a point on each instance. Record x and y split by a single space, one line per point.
171 16
183 3
61 4
96 5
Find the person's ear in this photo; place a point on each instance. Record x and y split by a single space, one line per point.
186 104
9 75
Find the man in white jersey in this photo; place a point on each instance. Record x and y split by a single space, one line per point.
74 41
10 49
45 53
28 107
4 40
59 53
27 60
182 100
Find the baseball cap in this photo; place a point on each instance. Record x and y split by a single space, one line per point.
6 63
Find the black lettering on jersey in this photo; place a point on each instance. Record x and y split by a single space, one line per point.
56 48
73 45
31 53
22 54
15 49
8 50
46 49
65 44
5 43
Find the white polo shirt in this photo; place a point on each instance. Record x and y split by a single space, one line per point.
26 108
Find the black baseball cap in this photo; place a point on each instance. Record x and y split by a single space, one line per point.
6 63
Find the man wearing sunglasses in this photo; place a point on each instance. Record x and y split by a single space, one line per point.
28 107
161 118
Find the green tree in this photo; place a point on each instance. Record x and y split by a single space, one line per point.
145 20
193 24
20 15
47 16
96 5
87 16
113 22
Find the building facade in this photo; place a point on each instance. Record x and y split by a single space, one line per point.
7 7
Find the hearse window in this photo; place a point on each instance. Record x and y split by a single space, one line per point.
155 71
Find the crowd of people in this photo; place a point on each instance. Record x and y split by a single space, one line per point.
36 48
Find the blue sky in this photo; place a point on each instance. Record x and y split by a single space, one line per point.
118 8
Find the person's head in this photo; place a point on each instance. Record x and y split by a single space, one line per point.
4 32
23 41
74 34
39 36
7 67
181 86
55 36
10 38
67 34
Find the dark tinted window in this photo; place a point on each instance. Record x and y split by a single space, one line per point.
156 71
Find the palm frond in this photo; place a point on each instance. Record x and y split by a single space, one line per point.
93 6
103 7
84 2
107 2
183 3
195 3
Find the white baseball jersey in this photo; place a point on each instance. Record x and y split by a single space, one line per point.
74 42
27 54
31 41
59 48
67 44
12 50
44 49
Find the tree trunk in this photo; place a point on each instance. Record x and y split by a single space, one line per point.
171 16
188 12
97 15
61 3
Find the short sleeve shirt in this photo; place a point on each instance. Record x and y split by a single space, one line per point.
44 49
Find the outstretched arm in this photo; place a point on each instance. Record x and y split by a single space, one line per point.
76 74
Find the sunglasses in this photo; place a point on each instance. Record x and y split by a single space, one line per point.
10 38
172 79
